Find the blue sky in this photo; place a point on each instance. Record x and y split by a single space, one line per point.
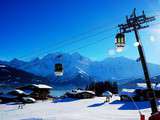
31 28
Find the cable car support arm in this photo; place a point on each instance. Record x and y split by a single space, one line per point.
133 24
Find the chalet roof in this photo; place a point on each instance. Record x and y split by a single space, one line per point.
19 91
91 92
128 92
28 88
42 86
143 86
2 66
82 91
29 98
107 93
28 92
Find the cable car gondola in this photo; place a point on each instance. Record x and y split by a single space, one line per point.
58 69
120 40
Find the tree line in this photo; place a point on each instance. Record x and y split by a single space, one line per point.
100 87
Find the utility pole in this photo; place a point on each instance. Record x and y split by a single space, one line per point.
133 24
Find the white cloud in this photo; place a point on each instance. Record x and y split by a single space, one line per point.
152 38
155 38
119 49
111 52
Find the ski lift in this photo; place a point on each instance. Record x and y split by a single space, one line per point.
58 69
120 40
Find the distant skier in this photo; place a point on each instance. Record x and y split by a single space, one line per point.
21 105
107 99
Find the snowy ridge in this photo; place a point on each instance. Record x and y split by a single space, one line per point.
75 64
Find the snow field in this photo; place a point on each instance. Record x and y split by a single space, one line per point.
70 109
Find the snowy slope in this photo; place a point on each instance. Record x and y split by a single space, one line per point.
120 68
70 109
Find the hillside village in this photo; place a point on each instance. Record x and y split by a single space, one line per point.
22 94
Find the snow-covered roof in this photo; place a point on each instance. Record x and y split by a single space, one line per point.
43 86
128 92
143 86
2 66
29 98
81 91
107 93
28 92
19 91
76 91
90 92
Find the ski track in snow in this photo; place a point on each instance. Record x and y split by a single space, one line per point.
86 109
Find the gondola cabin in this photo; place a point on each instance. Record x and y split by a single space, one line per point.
58 69
120 40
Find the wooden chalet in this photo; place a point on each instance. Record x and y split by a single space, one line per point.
80 94
13 96
37 91
141 92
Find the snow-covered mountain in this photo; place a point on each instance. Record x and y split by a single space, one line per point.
12 77
121 69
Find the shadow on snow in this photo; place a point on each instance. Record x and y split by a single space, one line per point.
97 104
32 119
129 105
65 100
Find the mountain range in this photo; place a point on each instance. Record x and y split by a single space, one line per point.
80 70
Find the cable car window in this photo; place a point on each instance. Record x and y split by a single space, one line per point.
120 38
58 67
